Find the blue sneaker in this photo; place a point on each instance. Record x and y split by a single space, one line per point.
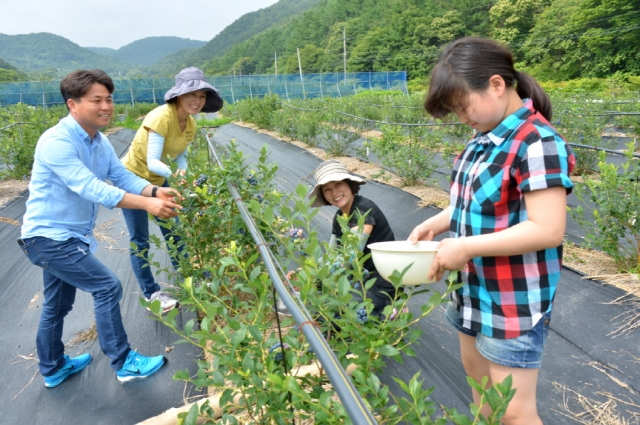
71 366
138 366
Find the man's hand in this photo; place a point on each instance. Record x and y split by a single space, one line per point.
168 194
161 208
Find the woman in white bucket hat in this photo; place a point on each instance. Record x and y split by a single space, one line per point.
165 132
336 186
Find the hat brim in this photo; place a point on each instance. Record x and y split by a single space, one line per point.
214 101
320 201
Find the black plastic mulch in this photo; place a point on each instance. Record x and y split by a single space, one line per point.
582 355
92 396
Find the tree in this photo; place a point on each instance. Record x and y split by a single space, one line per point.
584 38
245 66
310 58
513 19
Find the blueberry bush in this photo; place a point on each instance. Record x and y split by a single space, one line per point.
251 356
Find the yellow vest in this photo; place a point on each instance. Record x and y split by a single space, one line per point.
164 121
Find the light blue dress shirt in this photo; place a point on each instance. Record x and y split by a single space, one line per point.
68 183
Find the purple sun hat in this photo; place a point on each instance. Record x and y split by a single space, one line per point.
192 79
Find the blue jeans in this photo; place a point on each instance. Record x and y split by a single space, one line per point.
524 352
67 266
138 226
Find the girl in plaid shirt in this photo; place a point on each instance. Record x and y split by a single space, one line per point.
506 218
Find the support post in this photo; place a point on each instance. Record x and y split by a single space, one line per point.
344 49
300 68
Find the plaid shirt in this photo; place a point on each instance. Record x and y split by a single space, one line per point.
504 297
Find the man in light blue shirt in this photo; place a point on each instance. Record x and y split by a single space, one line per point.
72 161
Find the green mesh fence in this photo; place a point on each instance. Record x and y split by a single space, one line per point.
232 88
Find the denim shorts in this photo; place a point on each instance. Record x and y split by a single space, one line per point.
523 352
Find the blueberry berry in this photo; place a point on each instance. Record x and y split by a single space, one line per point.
295 234
201 180
278 349
362 316
252 180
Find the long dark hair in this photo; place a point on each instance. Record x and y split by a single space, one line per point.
466 65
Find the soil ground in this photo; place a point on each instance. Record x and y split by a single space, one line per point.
591 364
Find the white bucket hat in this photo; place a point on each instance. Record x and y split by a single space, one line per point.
192 79
330 171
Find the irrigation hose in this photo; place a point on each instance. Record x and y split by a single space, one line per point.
611 151
596 148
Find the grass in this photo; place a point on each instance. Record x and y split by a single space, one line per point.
217 122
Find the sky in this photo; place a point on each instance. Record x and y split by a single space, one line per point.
116 23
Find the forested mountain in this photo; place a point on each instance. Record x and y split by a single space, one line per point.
9 72
553 39
242 29
49 56
104 51
150 50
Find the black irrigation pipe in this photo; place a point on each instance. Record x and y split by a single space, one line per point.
376 121
351 399
396 106
596 148
615 114
304 109
611 151
16 123
435 124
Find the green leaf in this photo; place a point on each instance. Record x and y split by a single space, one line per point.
255 273
192 417
276 379
248 365
204 324
239 336
181 375
228 261
301 191
188 327
388 350
171 315
255 333
267 215
344 286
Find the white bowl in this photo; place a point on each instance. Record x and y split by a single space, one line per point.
397 255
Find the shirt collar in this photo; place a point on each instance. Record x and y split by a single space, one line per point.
73 126
499 134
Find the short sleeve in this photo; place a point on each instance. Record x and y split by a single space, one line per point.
547 161
158 120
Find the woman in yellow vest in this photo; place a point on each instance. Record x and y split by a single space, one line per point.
165 132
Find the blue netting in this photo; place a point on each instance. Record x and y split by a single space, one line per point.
232 88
